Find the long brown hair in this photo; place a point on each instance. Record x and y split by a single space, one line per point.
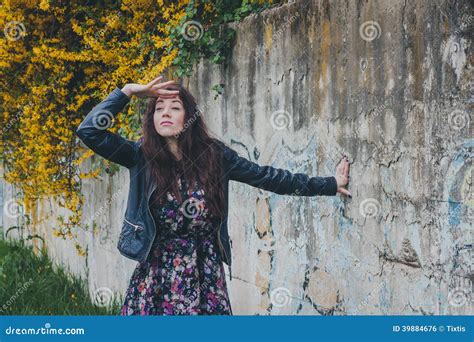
202 159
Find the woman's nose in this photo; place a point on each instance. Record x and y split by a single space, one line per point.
166 113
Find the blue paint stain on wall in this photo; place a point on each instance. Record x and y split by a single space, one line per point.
454 212
461 164
344 223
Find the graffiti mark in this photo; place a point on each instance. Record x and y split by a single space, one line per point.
459 186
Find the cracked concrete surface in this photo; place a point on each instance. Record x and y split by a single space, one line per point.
398 104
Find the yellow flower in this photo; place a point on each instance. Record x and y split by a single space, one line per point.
55 80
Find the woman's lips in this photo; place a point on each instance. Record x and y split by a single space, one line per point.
166 123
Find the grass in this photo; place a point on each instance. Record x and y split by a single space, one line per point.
29 285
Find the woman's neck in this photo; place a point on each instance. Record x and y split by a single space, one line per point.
173 147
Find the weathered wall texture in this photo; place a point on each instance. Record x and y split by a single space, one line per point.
387 82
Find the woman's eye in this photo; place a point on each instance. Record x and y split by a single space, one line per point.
177 108
159 108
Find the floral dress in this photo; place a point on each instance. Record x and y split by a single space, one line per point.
184 274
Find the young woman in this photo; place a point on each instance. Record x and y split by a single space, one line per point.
175 223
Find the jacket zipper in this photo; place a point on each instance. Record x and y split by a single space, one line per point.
223 250
149 212
136 226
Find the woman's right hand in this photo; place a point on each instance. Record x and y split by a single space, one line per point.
152 89
342 176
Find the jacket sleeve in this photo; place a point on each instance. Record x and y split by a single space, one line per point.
94 133
277 180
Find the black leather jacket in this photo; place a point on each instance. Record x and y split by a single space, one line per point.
138 230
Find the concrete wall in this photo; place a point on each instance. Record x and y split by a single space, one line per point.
387 82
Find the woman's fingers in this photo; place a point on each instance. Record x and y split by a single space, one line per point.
345 165
167 92
339 165
342 170
164 84
156 80
344 192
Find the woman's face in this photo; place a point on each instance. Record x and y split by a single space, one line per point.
169 116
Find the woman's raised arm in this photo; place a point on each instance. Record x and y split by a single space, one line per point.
93 130
94 133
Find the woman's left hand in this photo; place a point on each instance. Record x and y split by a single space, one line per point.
154 88
342 176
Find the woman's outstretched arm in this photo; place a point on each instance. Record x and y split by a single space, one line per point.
284 182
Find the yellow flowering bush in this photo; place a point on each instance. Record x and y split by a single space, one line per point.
58 59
